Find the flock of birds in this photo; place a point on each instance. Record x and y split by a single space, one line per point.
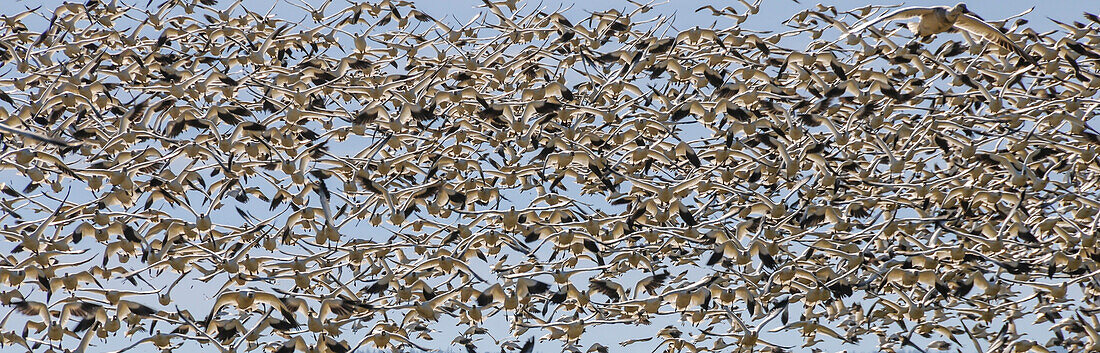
191 174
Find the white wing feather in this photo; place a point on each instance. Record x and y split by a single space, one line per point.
980 28
901 14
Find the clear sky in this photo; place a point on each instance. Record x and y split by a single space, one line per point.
772 14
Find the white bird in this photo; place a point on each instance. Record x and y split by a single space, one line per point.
939 19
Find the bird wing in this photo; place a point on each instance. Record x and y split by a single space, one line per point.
689 184
270 299
330 306
529 346
224 299
490 295
610 289
651 283
83 347
643 184
981 28
901 14
30 308
33 136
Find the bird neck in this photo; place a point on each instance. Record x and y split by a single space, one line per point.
955 13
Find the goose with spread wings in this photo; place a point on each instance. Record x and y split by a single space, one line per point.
939 19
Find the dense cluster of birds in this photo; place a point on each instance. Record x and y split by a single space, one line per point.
192 174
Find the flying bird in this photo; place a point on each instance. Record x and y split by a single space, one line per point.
938 19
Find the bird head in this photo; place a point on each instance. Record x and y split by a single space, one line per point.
960 8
